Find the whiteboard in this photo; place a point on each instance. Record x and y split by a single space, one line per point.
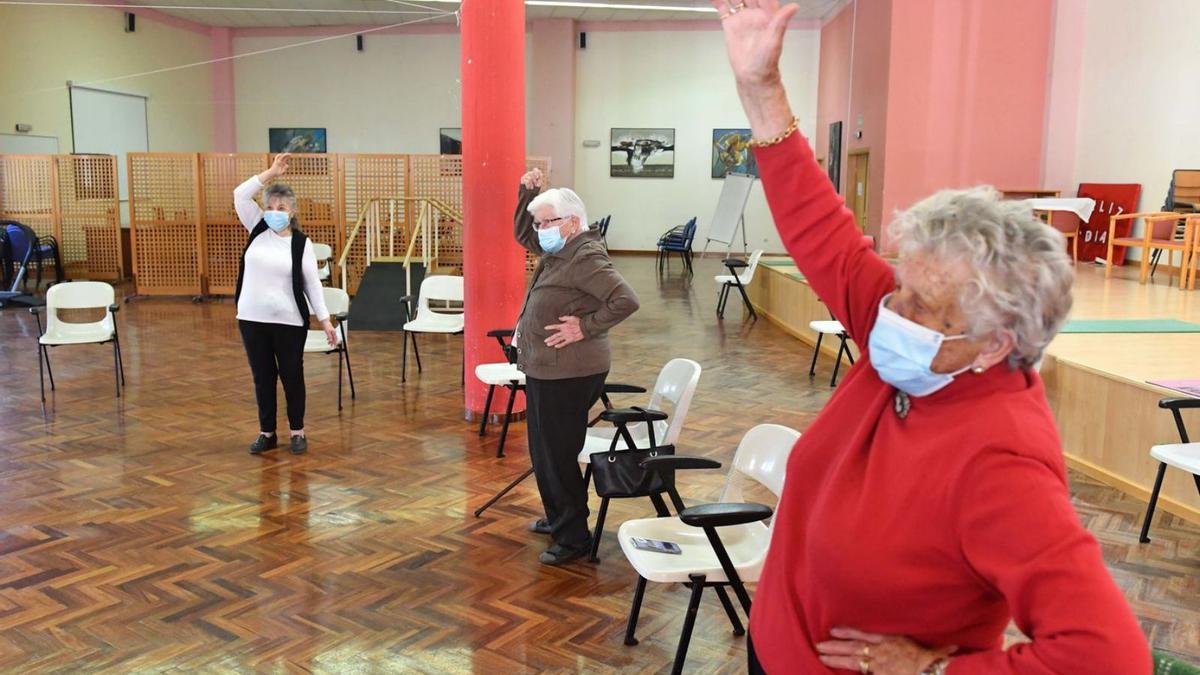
24 144
734 194
109 123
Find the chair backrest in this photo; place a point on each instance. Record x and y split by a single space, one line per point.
78 295
762 457
676 384
748 275
323 252
689 232
1163 229
337 300
21 240
439 287
604 225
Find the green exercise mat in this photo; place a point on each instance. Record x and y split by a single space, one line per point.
797 276
1130 326
777 262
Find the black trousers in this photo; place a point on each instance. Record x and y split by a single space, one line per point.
753 667
557 417
276 351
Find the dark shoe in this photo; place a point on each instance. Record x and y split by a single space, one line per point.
541 526
561 555
264 443
299 445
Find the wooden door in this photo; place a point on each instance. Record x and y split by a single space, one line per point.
856 194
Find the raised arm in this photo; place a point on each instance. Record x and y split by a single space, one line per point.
248 210
817 229
1022 535
523 230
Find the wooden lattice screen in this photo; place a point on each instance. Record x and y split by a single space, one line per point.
164 209
367 177
89 221
224 234
28 191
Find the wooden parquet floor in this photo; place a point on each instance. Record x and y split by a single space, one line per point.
137 535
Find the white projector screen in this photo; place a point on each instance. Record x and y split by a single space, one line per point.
109 123
25 144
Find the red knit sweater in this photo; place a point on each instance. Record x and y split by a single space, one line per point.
940 525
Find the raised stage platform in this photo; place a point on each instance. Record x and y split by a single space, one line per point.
1107 412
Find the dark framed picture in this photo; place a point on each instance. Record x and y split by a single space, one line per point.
731 153
450 140
834 161
297 139
642 153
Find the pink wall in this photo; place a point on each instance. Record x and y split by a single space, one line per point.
552 96
224 127
853 82
1062 105
967 85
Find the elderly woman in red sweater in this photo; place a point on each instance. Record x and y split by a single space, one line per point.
927 504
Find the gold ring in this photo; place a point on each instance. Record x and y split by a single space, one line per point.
866 653
864 666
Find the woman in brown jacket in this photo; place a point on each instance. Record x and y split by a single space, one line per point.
575 297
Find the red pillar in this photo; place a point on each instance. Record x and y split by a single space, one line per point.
493 123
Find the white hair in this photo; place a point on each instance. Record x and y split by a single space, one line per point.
1019 273
565 203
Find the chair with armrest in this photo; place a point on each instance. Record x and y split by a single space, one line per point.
1184 455
723 544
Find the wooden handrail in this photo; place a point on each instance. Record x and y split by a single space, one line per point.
426 206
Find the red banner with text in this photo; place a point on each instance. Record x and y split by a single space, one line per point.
1111 199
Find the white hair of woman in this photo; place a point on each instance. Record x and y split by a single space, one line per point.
565 203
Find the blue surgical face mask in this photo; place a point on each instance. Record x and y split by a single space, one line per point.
277 220
902 352
551 239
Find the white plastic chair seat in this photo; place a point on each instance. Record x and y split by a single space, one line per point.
827 327
316 342
599 439
78 333
432 322
746 545
499 374
1185 456
723 279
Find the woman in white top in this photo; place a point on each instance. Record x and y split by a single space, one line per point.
278 272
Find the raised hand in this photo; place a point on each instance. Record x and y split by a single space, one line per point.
533 180
754 32
280 165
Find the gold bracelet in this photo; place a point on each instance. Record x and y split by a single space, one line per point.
778 139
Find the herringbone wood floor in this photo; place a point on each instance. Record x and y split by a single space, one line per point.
139 536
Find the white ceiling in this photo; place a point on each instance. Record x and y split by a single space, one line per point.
252 13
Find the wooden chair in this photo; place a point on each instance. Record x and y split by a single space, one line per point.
1159 232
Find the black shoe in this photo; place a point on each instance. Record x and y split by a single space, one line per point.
264 443
561 555
541 526
299 445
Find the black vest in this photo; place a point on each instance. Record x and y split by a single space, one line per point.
298 239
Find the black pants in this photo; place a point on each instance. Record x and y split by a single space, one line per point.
753 667
557 417
275 351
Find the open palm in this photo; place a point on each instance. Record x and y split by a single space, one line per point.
754 36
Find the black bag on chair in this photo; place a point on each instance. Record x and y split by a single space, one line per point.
619 474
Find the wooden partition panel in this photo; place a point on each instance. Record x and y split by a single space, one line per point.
316 181
89 225
224 234
366 177
29 191
164 212
440 177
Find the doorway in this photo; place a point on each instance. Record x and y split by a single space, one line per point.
857 163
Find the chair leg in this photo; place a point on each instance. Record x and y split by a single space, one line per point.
41 373
487 409
341 358
349 370
116 370
512 395
631 624
738 629
49 370
416 352
721 300
120 357
404 358
1144 537
837 365
746 299
689 621
599 532
812 367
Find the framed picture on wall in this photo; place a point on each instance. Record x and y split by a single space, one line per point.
450 140
642 153
731 153
834 160
295 139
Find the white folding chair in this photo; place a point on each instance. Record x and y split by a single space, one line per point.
1184 455
447 320
731 558
337 301
830 327
676 385
78 295
324 253
737 279
503 374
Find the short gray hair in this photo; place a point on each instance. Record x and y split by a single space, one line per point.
565 203
1019 273
281 190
